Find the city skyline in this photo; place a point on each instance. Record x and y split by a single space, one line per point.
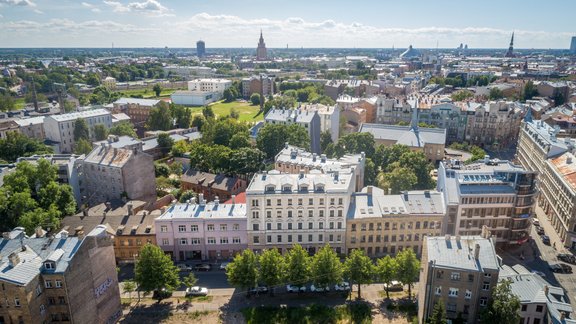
235 24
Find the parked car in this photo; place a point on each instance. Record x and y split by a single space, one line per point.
540 273
202 267
545 239
535 221
319 289
196 291
343 286
184 267
567 258
560 268
394 286
292 288
540 230
224 265
259 290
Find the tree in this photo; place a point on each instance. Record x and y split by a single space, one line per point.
387 270
190 280
123 128
496 93
272 268
6 102
242 272
176 168
155 271
16 145
272 137
297 266
438 314
255 99
529 91
161 170
326 267
81 130
359 269
198 121
187 195
398 180
129 287
504 306
239 140
182 115
165 142
234 113
157 89
100 132
208 113
325 140
160 117
461 95
229 95
82 146
408 268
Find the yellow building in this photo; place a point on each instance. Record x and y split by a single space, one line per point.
386 224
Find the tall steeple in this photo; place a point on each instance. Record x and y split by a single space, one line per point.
510 52
261 54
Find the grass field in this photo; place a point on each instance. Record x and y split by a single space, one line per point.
352 313
247 112
147 93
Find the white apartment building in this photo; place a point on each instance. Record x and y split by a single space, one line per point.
329 118
32 127
60 128
309 119
209 85
492 193
307 209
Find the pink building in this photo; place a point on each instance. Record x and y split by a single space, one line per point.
204 231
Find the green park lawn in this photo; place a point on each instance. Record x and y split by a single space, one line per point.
147 93
247 112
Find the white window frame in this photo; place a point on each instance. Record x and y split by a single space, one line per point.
453 292
163 228
210 227
165 241
236 240
438 291
194 228
224 240
211 240
181 228
468 294
183 241
48 284
58 283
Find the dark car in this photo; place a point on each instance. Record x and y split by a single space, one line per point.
567 258
560 268
545 239
202 267
540 230
162 294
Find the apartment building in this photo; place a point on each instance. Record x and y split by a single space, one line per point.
541 151
294 160
137 109
460 271
262 84
329 118
110 173
495 123
309 119
306 208
32 127
492 193
540 301
60 128
58 278
380 224
212 185
209 85
202 231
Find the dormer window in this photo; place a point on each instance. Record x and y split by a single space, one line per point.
304 188
287 188
270 189
49 265
320 187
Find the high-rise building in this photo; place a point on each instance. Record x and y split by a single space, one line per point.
261 50
573 45
200 48
510 52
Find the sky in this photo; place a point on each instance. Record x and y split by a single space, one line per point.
292 23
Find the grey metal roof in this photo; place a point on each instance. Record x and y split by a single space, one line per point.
210 210
340 182
142 102
405 134
80 114
297 156
448 252
290 115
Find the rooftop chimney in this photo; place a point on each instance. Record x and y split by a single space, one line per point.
447 237
486 159
313 157
39 232
323 158
80 234
64 234
13 259
457 238
233 199
85 211
477 251
130 209
285 144
369 189
546 290
216 201
201 200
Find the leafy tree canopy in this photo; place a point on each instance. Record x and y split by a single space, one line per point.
155 271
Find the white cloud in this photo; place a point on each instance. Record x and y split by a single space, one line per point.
92 7
148 7
22 3
70 26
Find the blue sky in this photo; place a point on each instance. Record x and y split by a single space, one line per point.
296 23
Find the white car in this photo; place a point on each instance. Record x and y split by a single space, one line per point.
319 289
343 286
394 286
540 273
196 291
535 221
292 288
184 267
224 265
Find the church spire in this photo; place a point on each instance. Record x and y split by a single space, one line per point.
510 52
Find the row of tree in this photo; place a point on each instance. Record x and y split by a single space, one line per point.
324 269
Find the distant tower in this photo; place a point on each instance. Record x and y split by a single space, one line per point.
510 52
573 45
200 48
261 50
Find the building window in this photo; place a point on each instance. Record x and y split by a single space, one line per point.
487 275
268 214
438 290
256 240
320 238
165 241
309 237
38 290
279 213
278 202
268 202
269 238
236 227
236 240
468 294
299 238
539 308
339 225
194 228
183 241
223 227
42 309
210 227
338 238
453 292
353 228
321 200
321 225
195 241
61 300
17 302
211 240
289 201
289 214
321 213
289 226
450 307
255 214
223 240
289 238
310 213
310 201
470 277
269 226
486 286
299 226
524 307
254 202
332 213
164 228
48 284
58 283
483 301
255 227
455 276
300 202
279 238
181 228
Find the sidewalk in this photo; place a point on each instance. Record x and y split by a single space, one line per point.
550 231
